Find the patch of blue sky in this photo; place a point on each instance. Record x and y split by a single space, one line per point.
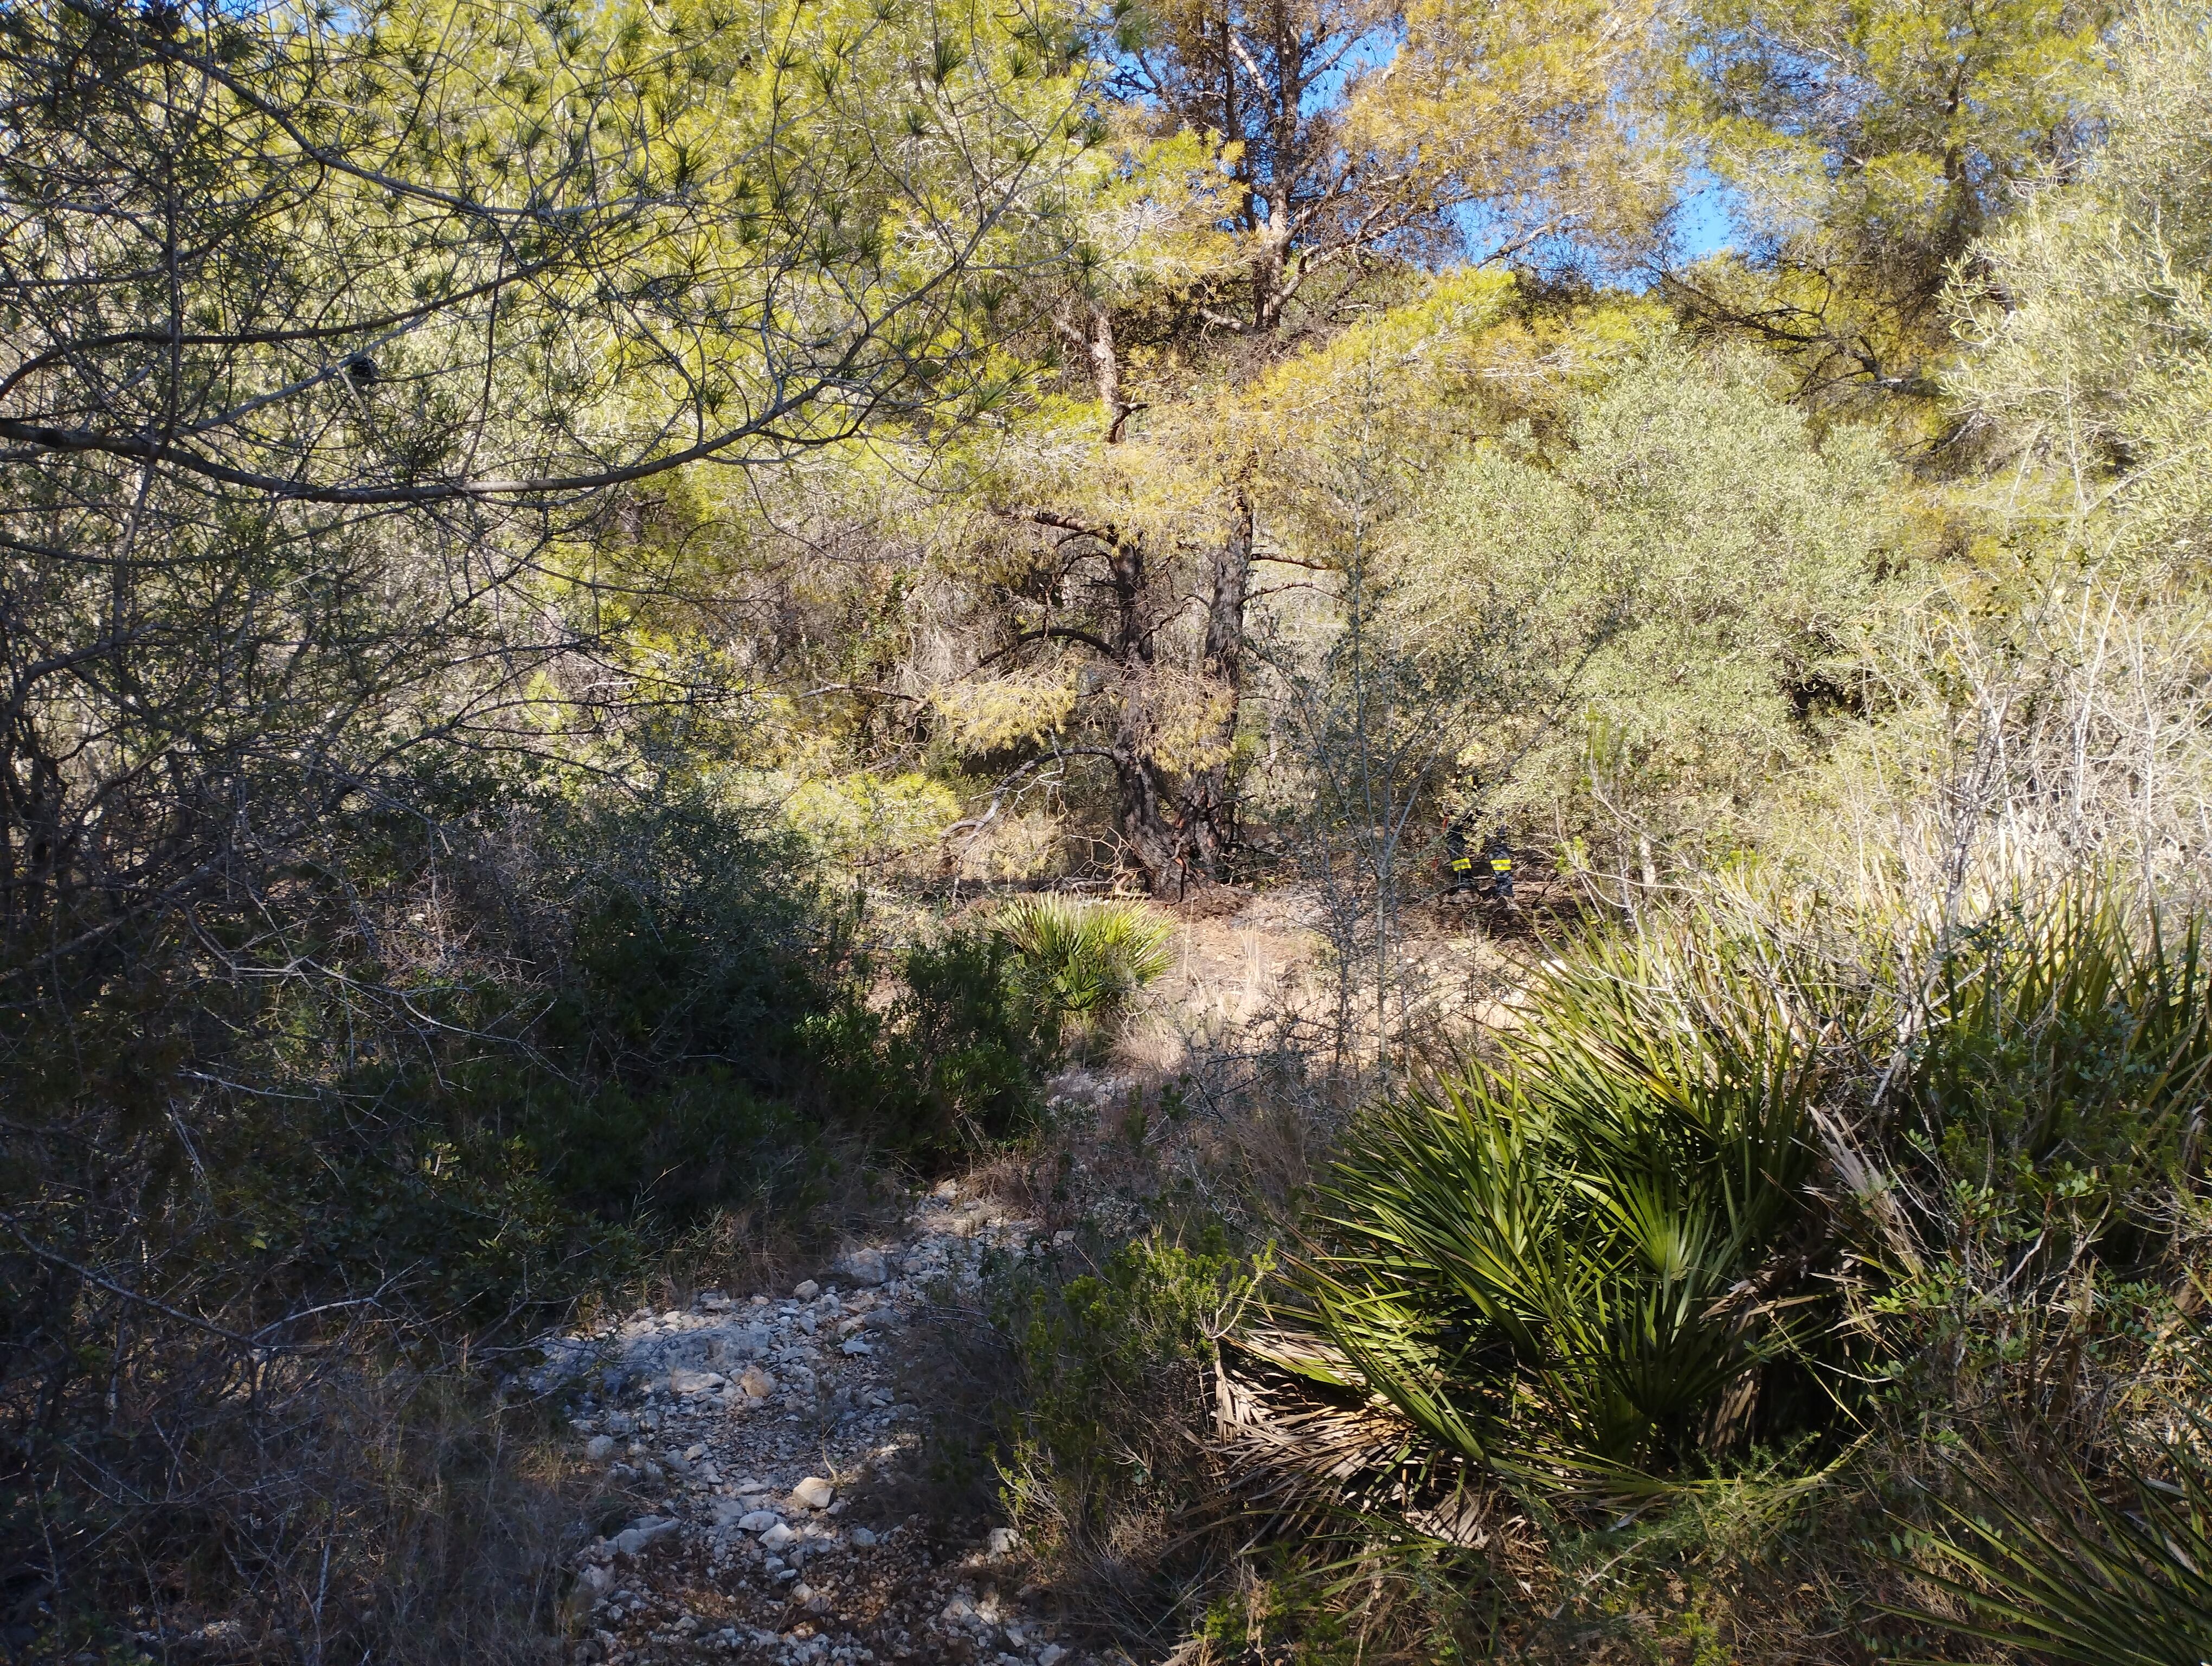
1706 219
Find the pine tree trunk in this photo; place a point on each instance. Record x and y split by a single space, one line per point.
1143 810
1210 814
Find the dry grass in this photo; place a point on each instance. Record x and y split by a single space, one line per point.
342 1506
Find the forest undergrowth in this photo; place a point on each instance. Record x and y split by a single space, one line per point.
1509 700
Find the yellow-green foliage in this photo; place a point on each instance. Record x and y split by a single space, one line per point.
1646 611
2095 351
870 820
1858 198
985 715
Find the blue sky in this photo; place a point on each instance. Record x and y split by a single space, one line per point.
1706 223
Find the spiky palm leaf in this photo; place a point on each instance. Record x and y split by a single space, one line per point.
2073 1577
1083 960
1576 1264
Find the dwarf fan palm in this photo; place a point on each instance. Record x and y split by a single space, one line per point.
1585 1261
1080 962
2074 1578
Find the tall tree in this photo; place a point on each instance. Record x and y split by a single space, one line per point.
322 328
2090 342
1351 139
1869 145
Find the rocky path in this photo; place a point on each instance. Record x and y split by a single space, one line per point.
773 1439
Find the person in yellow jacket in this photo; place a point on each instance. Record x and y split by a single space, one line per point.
1459 861
1498 858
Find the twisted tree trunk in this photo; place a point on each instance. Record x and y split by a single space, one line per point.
1210 810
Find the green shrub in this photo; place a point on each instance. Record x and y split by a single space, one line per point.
1600 1257
1077 963
1586 1263
950 1065
2062 1068
1110 1362
671 1151
681 931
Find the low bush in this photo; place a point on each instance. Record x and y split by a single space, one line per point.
1779 1283
1077 963
1593 1260
1101 1467
949 1066
2057 1085
412 1096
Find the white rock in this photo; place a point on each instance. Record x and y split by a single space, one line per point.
597 1578
807 1291
861 1538
777 1537
757 1521
1004 1542
684 1380
958 1611
1051 1654
600 1448
865 1267
757 1383
854 1345
813 1493
643 1533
